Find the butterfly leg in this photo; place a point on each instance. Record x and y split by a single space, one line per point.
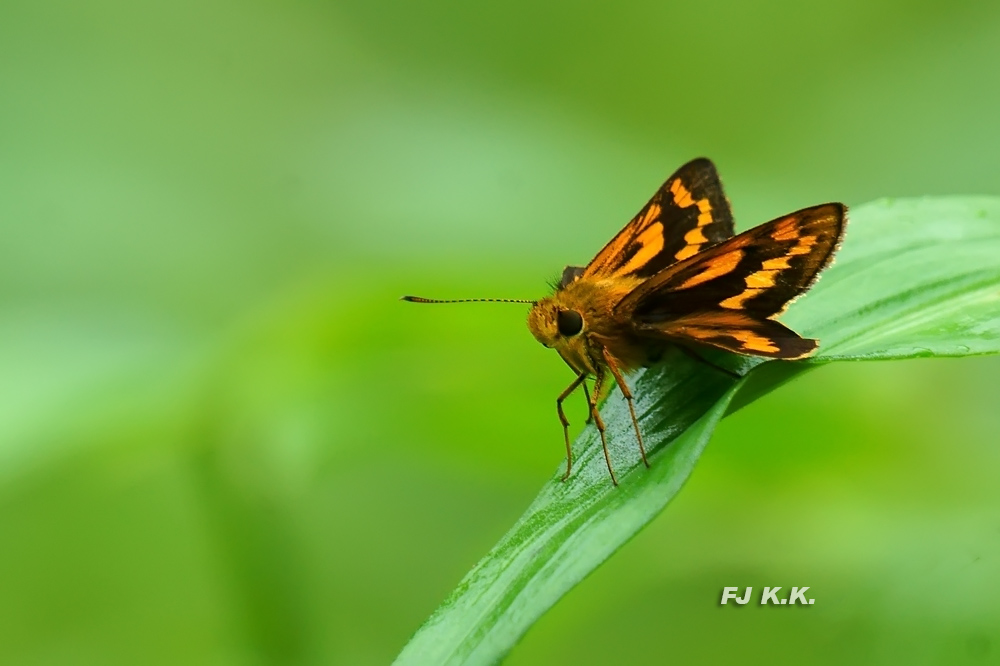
565 422
586 393
613 365
598 384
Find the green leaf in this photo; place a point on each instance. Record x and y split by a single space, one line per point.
914 278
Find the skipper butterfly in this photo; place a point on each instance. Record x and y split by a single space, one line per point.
676 275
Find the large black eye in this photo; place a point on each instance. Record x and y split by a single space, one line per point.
570 322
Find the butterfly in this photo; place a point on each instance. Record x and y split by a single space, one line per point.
677 275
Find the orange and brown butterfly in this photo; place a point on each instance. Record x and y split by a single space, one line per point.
676 275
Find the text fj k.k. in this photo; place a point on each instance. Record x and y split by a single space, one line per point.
768 596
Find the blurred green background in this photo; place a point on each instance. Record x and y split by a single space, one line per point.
224 441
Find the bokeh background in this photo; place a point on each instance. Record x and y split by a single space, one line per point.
224 441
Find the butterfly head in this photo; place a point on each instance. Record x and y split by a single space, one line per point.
556 325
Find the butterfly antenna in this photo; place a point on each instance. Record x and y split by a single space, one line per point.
418 299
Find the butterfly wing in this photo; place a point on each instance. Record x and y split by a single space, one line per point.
686 215
727 295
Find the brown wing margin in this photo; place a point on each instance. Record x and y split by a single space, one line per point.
687 214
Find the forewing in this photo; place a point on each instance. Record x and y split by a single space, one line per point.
686 215
726 295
